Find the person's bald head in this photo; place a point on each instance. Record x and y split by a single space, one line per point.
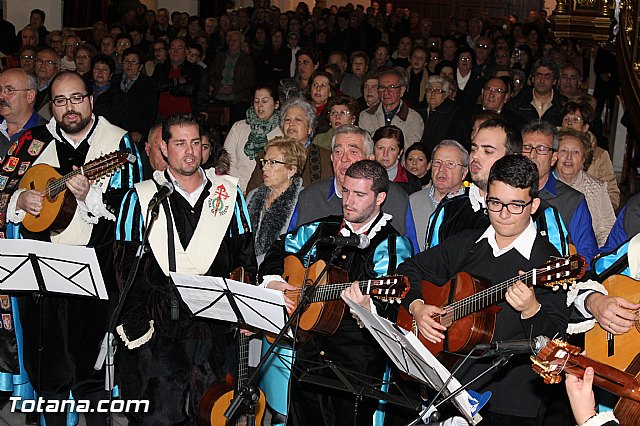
22 86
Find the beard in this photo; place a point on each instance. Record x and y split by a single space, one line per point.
74 128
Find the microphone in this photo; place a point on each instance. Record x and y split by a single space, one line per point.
165 191
361 241
514 347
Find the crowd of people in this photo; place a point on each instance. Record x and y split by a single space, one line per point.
474 150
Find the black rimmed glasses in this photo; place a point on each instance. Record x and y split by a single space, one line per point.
10 91
539 149
447 164
513 208
271 162
74 99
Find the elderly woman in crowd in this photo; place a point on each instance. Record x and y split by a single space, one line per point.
388 148
298 121
449 166
417 162
271 205
574 157
370 94
439 111
468 81
102 69
27 57
342 110
247 138
70 44
578 116
323 87
82 56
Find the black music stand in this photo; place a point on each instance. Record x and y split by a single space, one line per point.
37 267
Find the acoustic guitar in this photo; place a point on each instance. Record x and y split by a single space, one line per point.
324 313
470 302
558 356
59 204
616 350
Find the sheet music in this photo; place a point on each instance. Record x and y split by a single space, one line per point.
260 307
412 357
65 269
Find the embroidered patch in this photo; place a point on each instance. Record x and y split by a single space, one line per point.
23 167
217 204
455 193
12 184
6 321
5 302
3 182
35 147
11 164
4 200
12 148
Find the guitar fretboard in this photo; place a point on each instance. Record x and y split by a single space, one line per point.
328 292
92 170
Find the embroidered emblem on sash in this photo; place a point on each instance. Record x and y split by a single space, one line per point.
4 200
6 321
12 148
5 302
11 164
23 167
35 147
3 182
13 183
217 204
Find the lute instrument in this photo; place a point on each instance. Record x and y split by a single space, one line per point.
59 204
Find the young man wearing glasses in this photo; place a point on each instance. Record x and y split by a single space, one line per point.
509 244
392 84
69 140
540 143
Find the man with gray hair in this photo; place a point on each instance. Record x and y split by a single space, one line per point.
449 166
392 84
18 89
439 112
47 66
324 198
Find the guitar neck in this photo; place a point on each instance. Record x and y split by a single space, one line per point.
93 170
328 292
606 377
243 361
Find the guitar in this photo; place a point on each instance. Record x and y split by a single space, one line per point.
616 350
470 302
324 313
217 399
59 205
558 356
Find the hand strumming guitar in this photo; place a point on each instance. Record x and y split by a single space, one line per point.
428 326
522 298
30 201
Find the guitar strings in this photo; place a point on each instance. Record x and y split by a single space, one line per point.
106 162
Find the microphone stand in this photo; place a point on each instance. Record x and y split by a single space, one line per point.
249 392
152 215
499 362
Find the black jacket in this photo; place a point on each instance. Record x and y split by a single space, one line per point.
437 122
552 115
190 88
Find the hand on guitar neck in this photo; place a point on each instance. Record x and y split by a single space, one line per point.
79 186
283 287
355 294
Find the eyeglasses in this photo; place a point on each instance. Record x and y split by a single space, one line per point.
343 113
495 90
130 62
465 59
540 149
502 55
483 46
272 163
513 208
72 44
389 88
320 85
27 57
10 91
47 63
571 120
74 99
124 43
435 91
448 164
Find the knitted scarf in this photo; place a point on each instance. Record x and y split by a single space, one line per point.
269 222
259 130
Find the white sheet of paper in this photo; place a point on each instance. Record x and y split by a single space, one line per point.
397 343
65 269
262 308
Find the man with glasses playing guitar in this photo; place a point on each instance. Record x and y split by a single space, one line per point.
509 246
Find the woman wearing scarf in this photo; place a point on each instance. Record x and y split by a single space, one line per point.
246 139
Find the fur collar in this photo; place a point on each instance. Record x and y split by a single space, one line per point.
270 222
